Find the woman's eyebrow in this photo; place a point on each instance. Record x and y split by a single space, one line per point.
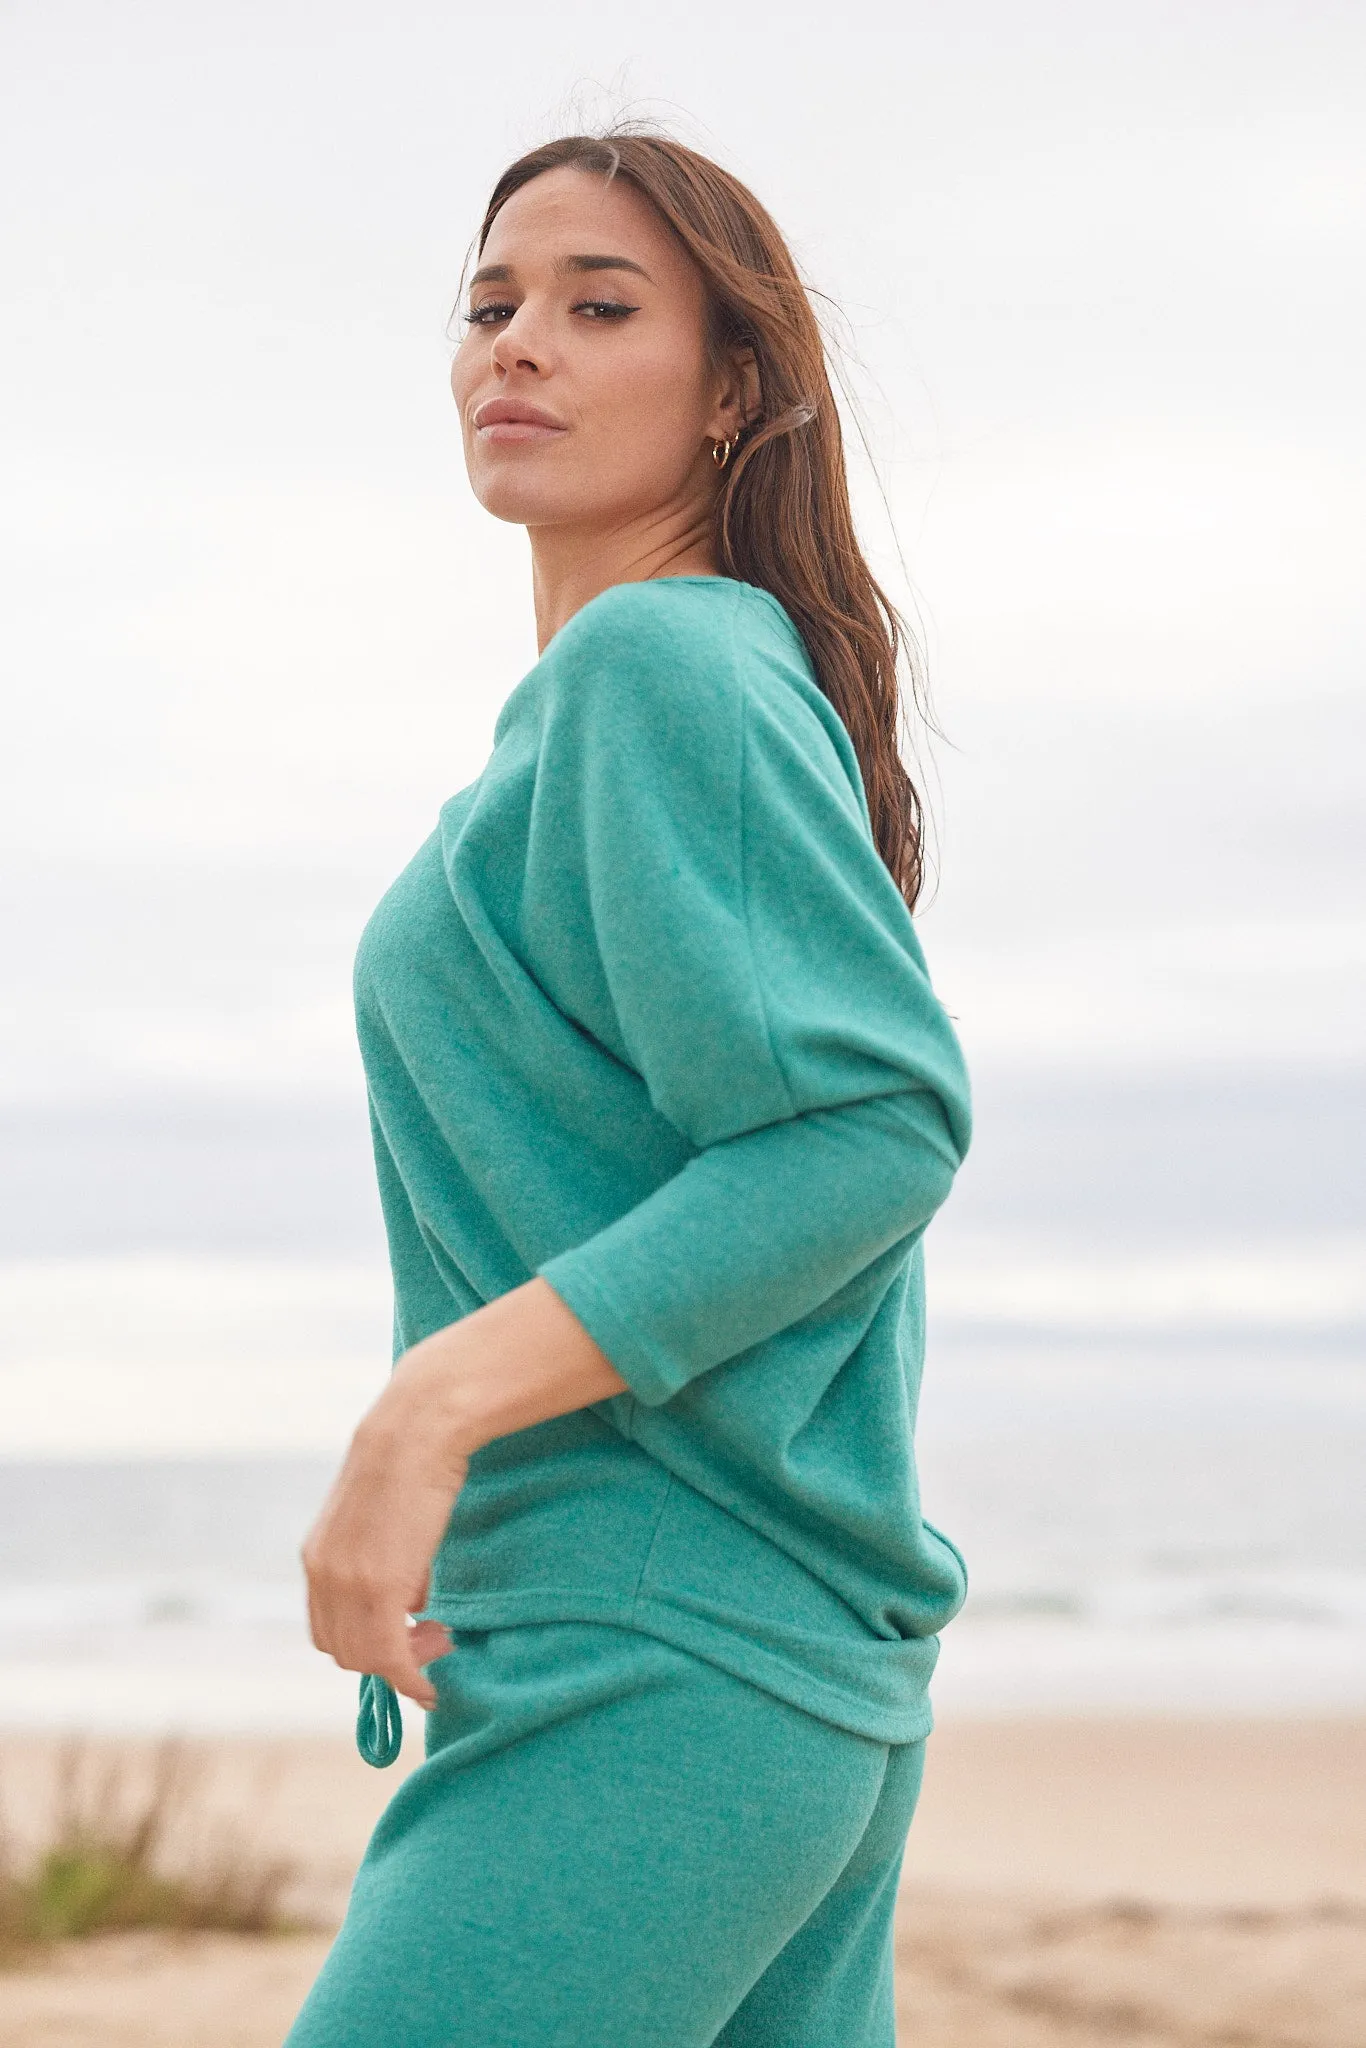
501 273
581 263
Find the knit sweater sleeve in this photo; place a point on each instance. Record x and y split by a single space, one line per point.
763 973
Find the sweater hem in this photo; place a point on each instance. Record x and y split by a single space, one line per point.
877 1718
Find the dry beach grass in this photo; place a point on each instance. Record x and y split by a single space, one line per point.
1092 1884
123 1844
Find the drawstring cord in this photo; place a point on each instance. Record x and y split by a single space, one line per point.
379 1725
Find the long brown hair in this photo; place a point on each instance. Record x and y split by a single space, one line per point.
783 517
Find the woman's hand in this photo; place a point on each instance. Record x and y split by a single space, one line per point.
368 1557
519 1360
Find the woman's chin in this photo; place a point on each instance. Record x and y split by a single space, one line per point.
518 501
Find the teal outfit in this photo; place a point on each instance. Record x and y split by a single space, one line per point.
614 1844
648 1016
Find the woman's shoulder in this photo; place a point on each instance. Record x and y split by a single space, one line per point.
704 646
675 619
703 639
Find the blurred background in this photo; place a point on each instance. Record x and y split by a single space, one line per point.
1100 270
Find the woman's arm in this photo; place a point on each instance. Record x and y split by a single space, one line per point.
519 1360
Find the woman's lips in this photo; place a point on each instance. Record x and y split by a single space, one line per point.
517 430
514 419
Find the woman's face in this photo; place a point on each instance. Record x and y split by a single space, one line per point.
585 393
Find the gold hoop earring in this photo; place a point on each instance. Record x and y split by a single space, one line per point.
720 452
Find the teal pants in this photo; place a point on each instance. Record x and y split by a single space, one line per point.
613 1844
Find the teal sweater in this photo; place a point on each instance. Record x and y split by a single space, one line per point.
647 1016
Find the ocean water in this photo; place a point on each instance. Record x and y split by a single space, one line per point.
1143 1417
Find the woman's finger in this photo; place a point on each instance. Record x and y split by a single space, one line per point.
430 1640
317 1626
396 1660
370 1631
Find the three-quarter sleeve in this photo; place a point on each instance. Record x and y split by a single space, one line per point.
700 832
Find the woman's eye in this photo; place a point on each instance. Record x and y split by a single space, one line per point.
605 309
493 310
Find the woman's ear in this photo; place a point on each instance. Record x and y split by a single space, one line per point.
739 395
751 391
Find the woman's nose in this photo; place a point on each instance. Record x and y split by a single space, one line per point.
516 345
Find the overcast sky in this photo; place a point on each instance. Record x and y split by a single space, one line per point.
1102 270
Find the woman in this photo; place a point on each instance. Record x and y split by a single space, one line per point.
662 1103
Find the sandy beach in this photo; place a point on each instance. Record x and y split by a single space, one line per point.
1158 1883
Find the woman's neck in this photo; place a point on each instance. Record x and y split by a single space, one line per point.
570 567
